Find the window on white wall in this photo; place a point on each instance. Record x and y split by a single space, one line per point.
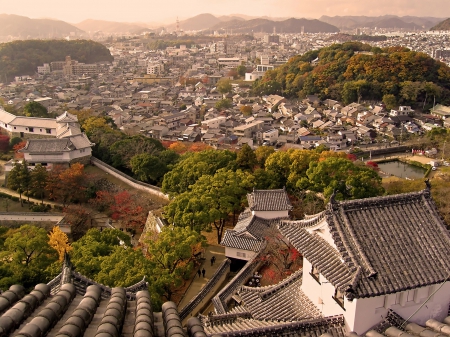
339 298
239 254
315 273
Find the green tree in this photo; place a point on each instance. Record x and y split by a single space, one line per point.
123 150
223 104
35 109
27 256
262 153
241 70
19 179
147 168
222 195
123 267
194 165
246 158
90 250
172 254
38 181
278 163
349 180
224 86
390 101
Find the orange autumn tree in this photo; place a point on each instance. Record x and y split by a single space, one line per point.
67 185
198 147
178 147
59 241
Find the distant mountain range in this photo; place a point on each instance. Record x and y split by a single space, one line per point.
20 27
386 21
268 26
444 25
26 28
111 27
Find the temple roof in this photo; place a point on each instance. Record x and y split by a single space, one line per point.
384 245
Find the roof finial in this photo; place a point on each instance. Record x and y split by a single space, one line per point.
333 197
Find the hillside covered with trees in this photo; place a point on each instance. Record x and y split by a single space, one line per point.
444 25
355 71
23 57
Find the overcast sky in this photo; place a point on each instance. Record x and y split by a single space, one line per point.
161 10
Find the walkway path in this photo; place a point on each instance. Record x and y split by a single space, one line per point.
36 201
198 282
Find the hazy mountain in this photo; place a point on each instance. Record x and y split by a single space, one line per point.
25 28
267 26
198 22
385 21
226 18
444 25
108 26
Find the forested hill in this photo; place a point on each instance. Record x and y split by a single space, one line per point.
23 57
444 25
347 71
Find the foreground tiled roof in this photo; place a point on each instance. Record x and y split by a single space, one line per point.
241 326
269 200
284 301
395 325
72 305
384 245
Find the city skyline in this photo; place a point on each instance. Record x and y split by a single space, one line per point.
152 11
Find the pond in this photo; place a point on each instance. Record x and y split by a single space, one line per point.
402 170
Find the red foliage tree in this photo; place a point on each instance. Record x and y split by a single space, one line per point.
373 165
103 201
4 143
129 211
17 147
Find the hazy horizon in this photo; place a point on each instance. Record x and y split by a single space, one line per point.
152 11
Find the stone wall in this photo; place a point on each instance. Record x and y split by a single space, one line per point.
129 180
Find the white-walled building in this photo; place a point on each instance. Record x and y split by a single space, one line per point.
44 69
362 258
155 68
248 236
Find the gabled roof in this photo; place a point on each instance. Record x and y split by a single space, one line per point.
269 200
51 145
67 118
383 245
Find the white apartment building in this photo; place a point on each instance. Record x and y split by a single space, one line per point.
155 68
45 69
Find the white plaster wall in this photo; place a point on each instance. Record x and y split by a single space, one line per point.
371 311
271 214
322 294
38 130
323 231
232 252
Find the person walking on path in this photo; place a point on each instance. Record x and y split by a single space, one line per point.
199 272
212 261
203 272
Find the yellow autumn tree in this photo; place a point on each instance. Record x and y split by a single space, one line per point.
59 241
